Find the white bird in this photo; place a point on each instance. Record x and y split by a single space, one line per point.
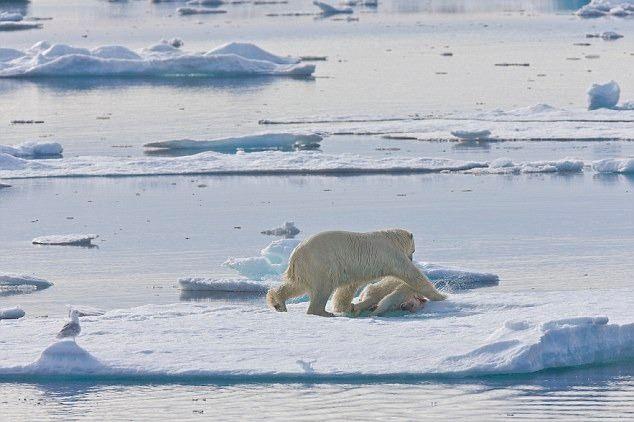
71 329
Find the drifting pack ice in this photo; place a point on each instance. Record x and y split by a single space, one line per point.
163 59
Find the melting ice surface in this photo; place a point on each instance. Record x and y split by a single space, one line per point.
163 59
499 333
66 239
32 149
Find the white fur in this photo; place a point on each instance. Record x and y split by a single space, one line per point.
342 262
387 295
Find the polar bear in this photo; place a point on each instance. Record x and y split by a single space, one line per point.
342 262
388 294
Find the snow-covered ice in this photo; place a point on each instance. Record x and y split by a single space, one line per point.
186 11
329 9
236 285
273 261
288 230
33 149
256 163
599 8
250 142
472 135
12 313
10 17
13 281
467 335
603 95
507 166
66 240
614 165
235 59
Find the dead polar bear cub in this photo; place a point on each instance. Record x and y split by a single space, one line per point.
342 262
389 294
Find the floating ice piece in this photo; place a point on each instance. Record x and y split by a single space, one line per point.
260 142
12 313
236 59
611 35
10 17
614 165
18 26
256 163
186 11
2 185
603 95
472 135
66 240
23 280
33 149
224 285
599 8
206 2
327 9
288 230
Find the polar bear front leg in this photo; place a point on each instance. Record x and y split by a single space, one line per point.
318 302
418 281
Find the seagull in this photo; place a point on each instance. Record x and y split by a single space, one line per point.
71 329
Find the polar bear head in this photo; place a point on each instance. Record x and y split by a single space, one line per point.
275 301
403 240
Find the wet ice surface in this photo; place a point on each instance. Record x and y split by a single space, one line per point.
561 237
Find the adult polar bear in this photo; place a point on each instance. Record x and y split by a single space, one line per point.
342 262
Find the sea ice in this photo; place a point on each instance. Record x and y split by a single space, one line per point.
250 142
471 334
614 165
506 166
472 135
599 8
23 280
66 240
10 17
235 59
186 11
288 230
611 35
33 149
327 9
224 285
603 95
12 313
207 2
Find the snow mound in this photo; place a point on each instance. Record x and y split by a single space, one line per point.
273 261
614 165
472 135
11 313
44 59
65 357
223 285
603 95
262 141
10 17
328 9
33 149
23 280
187 11
506 166
522 346
256 163
288 230
66 240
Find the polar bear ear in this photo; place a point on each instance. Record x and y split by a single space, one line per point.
411 235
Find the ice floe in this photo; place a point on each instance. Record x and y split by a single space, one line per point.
470 334
12 313
187 11
603 95
235 59
33 149
66 240
256 142
10 17
472 135
599 8
614 165
242 163
21 280
328 9
273 261
506 166
237 285
288 230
